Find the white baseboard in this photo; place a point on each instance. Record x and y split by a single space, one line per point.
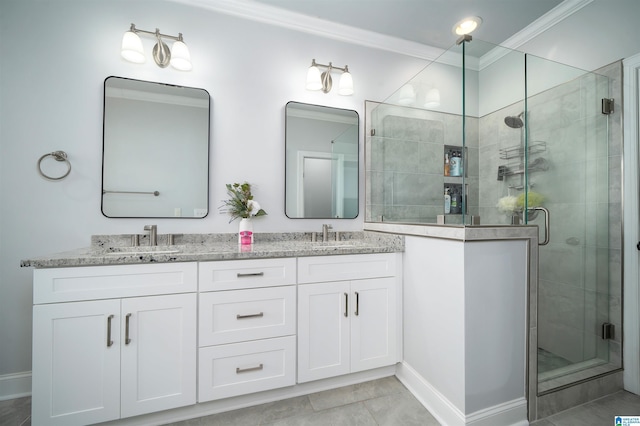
15 385
511 413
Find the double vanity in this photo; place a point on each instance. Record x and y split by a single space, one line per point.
121 332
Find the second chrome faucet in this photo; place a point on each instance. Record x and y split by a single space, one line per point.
325 232
153 234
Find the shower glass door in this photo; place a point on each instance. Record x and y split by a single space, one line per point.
344 174
568 173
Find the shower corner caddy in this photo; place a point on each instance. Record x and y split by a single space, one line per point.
518 151
540 164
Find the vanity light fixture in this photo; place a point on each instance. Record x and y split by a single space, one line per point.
432 99
467 25
407 95
178 56
323 81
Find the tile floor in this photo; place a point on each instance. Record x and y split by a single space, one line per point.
377 403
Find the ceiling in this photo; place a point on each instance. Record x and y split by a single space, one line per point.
427 22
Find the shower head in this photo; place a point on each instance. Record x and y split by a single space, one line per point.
515 122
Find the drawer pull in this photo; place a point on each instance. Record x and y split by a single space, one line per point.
245 370
127 340
109 341
357 303
258 315
250 274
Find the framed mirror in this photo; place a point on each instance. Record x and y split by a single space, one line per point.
155 159
321 164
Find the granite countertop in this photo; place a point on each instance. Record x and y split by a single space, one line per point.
117 249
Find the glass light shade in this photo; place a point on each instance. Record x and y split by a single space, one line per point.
407 95
314 81
180 57
467 25
132 49
433 99
345 88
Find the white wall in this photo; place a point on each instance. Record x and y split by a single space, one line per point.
55 57
598 34
434 314
465 320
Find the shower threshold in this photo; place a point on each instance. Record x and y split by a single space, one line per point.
565 376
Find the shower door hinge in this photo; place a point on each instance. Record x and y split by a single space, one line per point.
607 106
608 331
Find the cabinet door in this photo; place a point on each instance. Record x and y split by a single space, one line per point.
373 323
76 363
323 330
158 353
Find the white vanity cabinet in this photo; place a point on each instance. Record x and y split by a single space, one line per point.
247 326
113 341
347 314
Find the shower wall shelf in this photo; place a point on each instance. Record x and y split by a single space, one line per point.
535 147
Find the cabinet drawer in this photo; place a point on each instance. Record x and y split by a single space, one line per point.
108 282
239 274
347 267
242 368
236 316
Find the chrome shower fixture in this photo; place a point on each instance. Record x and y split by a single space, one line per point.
515 122
179 56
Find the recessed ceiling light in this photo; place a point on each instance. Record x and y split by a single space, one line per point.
467 25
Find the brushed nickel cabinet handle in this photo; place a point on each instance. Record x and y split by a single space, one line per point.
109 341
245 370
357 303
258 315
346 304
127 340
250 274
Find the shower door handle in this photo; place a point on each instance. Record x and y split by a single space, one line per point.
547 232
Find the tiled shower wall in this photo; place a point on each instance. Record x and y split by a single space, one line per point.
405 164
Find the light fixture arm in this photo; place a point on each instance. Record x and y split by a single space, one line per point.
330 66
156 33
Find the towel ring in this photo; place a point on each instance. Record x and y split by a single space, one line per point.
58 156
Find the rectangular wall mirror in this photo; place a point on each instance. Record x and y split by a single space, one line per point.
321 170
155 160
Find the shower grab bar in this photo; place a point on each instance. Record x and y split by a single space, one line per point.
154 193
547 232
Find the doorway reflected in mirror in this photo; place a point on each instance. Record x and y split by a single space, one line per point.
321 173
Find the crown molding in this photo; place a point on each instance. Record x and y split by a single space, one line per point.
260 12
537 27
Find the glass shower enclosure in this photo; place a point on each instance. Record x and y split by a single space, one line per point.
486 135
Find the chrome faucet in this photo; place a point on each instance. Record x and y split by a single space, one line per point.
153 234
325 232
